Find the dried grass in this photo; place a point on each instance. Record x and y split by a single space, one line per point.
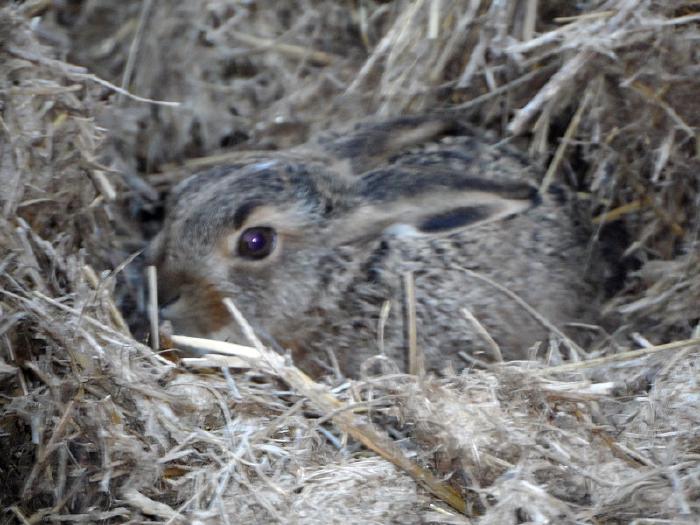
96 427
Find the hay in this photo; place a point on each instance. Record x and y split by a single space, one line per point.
96 427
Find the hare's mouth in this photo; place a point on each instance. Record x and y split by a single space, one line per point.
197 312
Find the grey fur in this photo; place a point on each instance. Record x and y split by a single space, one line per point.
357 210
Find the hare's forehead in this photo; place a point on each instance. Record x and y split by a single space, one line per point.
265 180
212 201
257 178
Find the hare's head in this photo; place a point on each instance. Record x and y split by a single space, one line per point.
272 233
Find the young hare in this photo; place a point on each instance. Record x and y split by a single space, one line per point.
317 246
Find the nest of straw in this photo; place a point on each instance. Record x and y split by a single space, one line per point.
105 105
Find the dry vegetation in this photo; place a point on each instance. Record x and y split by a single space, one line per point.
104 105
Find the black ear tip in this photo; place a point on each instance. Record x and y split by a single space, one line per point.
454 219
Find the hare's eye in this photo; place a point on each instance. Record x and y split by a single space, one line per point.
256 243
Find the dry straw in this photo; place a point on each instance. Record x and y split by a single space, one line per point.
96 427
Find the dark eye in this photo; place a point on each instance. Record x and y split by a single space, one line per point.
256 243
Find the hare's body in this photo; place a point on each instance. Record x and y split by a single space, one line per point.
542 269
342 229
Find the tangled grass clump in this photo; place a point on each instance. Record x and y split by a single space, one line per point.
96 427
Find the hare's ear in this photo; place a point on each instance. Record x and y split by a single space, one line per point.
407 203
369 144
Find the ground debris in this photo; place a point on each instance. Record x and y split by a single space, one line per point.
96 427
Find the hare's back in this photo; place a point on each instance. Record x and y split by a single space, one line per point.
499 272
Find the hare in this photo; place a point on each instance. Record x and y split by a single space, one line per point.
317 245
